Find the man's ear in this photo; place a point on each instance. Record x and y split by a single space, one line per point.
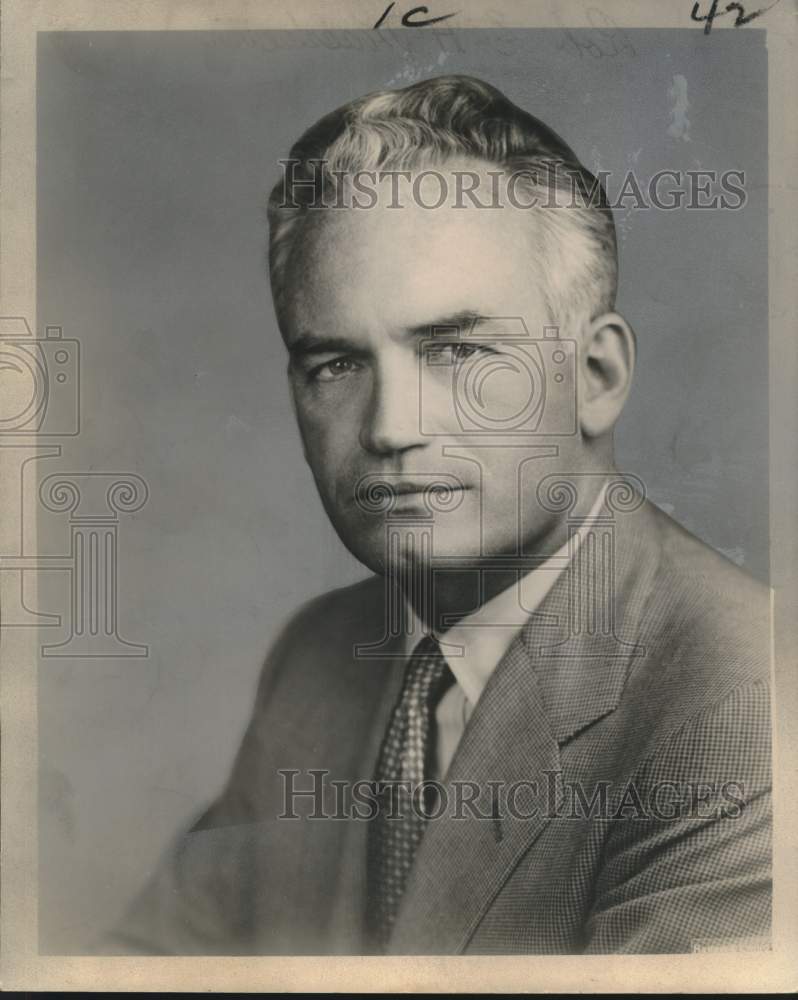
606 364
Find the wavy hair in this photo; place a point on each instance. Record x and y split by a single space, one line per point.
433 122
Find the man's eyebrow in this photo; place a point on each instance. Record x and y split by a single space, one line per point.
465 320
309 342
314 343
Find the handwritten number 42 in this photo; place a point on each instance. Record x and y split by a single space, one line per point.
741 19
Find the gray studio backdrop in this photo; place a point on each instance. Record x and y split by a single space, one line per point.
155 155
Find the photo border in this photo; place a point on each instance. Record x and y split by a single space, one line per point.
22 966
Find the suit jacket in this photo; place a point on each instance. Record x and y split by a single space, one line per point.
638 747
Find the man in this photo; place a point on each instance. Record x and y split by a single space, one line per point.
542 725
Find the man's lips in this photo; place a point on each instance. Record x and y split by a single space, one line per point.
436 489
406 487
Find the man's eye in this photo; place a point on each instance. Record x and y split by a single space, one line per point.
330 371
461 351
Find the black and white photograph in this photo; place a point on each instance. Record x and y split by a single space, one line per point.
399 489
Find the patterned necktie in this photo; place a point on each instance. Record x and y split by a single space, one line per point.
405 756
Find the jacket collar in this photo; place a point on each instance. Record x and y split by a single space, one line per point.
587 635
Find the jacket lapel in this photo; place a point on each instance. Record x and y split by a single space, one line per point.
561 674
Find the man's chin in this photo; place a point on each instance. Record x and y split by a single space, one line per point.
407 545
414 558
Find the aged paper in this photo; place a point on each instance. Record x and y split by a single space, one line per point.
171 499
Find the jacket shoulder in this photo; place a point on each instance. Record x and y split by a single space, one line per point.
707 611
337 612
686 555
324 630
702 677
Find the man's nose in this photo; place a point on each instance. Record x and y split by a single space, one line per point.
392 422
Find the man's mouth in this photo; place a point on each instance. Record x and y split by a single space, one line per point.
378 492
407 487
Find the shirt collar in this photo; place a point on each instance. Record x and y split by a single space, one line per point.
475 645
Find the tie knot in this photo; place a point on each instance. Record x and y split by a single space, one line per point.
428 646
428 673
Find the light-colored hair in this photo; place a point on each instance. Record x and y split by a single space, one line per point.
453 117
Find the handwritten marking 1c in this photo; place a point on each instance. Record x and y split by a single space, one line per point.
410 21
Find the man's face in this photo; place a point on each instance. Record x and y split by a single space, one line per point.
375 399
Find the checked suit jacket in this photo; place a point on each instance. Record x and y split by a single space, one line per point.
640 755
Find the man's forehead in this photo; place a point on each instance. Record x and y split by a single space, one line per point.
433 290
339 241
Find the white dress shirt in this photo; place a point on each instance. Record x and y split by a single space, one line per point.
479 640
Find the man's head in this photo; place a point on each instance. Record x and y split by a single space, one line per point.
416 333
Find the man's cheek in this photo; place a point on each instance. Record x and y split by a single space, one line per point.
318 438
335 480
